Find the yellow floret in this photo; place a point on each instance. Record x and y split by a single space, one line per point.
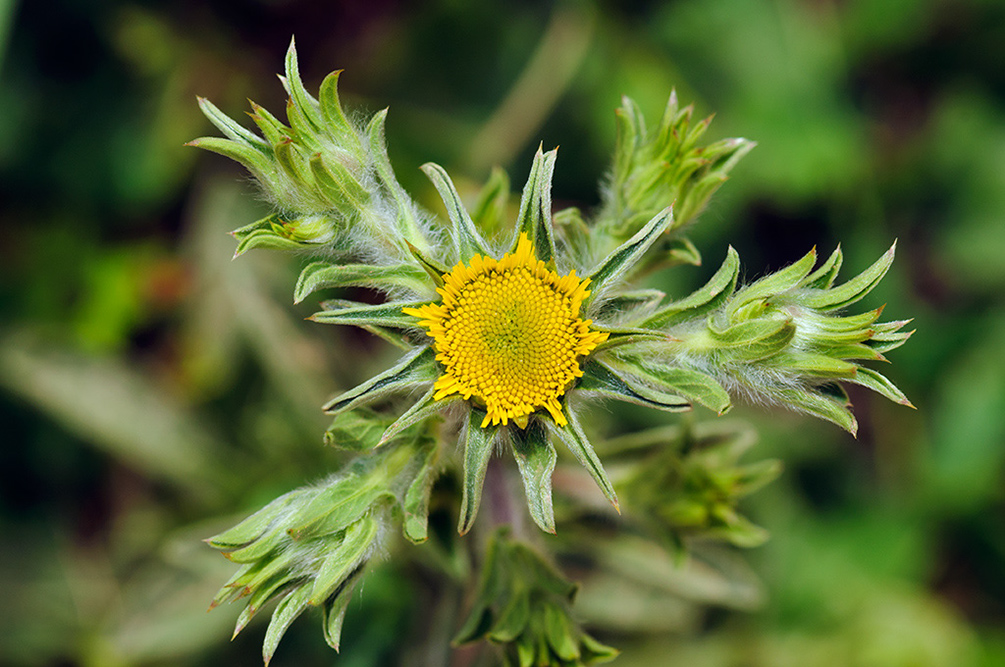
508 334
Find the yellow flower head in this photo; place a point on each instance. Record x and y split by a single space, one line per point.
508 333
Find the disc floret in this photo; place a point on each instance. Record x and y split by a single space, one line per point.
508 334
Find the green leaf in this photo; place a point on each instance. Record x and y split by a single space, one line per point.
231 128
337 506
467 240
254 526
381 315
266 238
270 540
260 165
575 439
815 365
853 290
775 283
602 381
306 104
421 410
294 163
407 216
824 276
881 385
512 617
334 610
261 596
489 212
274 130
356 430
494 579
534 218
416 502
338 186
286 612
331 108
753 340
633 304
478 445
703 300
560 633
341 562
413 369
689 383
536 457
829 408
615 265
322 275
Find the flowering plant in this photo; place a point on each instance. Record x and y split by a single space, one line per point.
509 333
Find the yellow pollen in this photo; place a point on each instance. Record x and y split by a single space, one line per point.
508 333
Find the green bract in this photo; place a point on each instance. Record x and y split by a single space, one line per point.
783 339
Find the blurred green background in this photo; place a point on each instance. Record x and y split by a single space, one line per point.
151 390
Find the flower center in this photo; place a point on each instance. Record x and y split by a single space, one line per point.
508 333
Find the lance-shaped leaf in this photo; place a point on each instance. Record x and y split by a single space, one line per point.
467 240
536 457
881 385
703 300
825 406
633 305
489 212
534 218
575 439
356 430
231 128
810 364
416 501
338 186
853 290
259 598
752 340
331 108
322 275
255 525
268 239
379 315
337 506
343 559
414 369
433 268
775 283
602 381
824 276
273 129
260 165
294 162
333 615
422 409
478 445
306 104
407 218
688 383
286 612
617 264
887 335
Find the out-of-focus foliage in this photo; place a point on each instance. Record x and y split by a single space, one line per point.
148 383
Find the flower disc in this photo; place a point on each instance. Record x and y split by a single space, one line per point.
508 333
